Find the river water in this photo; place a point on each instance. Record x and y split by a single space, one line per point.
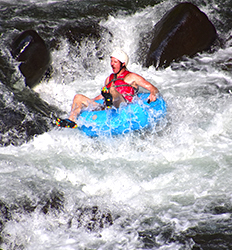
166 188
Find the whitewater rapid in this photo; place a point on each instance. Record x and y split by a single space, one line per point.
156 184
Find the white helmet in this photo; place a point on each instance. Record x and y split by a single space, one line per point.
121 56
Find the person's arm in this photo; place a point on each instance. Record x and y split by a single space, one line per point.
140 81
97 97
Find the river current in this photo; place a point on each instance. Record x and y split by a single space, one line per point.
165 188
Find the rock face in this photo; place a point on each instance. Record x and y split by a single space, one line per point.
184 30
27 116
30 49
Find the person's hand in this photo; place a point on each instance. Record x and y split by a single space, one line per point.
152 97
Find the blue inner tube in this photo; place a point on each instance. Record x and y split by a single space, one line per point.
134 116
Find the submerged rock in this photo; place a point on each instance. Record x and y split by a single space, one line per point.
184 30
55 202
50 205
91 218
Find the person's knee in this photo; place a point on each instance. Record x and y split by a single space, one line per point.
78 97
80 100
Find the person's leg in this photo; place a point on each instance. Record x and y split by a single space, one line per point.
79 102
116 96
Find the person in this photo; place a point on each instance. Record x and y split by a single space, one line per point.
120 86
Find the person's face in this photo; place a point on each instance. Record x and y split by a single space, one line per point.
115 64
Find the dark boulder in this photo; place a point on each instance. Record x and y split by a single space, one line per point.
30 49
184 30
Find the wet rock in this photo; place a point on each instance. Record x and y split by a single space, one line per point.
91 218
76 33
23 205
30 49
184 30
6 70
55 202
4 213
89 33
15 130
26 116
208 238
208 235
4 217
157 237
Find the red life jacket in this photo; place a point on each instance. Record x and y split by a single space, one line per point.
122 87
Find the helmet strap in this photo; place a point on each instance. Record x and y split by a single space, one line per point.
121 67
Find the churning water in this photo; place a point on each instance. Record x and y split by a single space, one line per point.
166 188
